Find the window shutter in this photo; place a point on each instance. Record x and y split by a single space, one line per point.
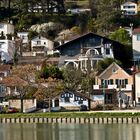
126 81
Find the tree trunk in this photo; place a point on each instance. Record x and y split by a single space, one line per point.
21 99
49 105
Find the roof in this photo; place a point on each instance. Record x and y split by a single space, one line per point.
110 67
82 36
13 81
129 2
136 31
5 67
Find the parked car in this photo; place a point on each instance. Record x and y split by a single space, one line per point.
11 110
83 108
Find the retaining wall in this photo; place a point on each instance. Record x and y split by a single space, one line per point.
71 120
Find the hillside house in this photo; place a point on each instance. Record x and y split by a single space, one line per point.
129 8
89 48
7 50
40 46
6 28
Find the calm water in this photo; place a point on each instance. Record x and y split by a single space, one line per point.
69 132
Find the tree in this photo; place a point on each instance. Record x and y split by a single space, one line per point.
72 78
121 35
103 64
52 89
49 71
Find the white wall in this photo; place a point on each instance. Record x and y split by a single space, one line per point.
48 44
6 28
72 102
137 84
136 46
7 49
127 10
23 36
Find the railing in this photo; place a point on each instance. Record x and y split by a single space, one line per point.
123 87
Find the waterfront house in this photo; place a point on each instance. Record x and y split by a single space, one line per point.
129 8
41 46
113 83
62 100
90 48
69 101
136 88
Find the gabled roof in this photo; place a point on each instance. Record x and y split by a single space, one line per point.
102 73
40 37
129 2
84 35
13 81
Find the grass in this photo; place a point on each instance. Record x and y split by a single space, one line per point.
69 115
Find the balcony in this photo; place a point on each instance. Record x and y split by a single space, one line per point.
127 87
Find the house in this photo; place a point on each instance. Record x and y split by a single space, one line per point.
136 88
69 101
90 48
129 8
4 72
12 84
66 100
41 46
24 37
7 50
114 83
6 28
136 44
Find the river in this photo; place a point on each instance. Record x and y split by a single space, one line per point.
69 131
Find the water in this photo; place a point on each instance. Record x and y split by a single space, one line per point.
69 132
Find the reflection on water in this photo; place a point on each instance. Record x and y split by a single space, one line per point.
69 132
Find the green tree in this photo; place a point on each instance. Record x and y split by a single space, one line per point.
103 64
121 35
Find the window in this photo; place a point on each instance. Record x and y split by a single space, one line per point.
80 102
114 70
138 37
38 42
1 26
121 82
107 51
44 43
67 99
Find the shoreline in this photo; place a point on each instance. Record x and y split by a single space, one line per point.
95 117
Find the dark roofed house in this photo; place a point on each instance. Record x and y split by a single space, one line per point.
91 47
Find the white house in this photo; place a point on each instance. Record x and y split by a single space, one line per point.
129 8
41 46
6 28
136 44
23 36
136 88
69 101
7 49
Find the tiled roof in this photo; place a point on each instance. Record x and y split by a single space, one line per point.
13 81
136 31
5 67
